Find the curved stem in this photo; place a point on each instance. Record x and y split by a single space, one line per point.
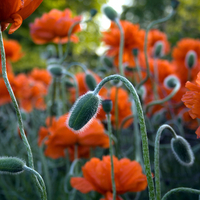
156 157
32 171
180 189
142 127
111 156
121 47
167 98
79 64
124 121
145 44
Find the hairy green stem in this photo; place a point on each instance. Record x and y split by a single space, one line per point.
142 127
156 157
111 156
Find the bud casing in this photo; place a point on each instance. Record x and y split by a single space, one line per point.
110 12
191 59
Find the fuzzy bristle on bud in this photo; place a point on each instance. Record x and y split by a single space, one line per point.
107 105
182 151
158 49
110 12
90 81
170 81
84 109
11 165
55 70
191 59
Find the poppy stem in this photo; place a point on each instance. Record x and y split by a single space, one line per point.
121 47
111 156
180 189
84 68
142 127
145 44
156 157
18 113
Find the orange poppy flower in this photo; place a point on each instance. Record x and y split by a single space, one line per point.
97 177
12 50
179 55
191 100
54 27
133 38
15 11
109 196
61 137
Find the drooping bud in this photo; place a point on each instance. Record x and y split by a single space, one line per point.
69 84
55 70
116 83
171 81
90 81
11 165
182 151
175 4
135 52
82 112
108 62
107 105
158 49
191 59
110 12
93 12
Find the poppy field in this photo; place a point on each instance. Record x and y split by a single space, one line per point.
92 113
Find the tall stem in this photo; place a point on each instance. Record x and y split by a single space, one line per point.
142 127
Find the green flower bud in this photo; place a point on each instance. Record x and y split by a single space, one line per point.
182 151
90 81
171 81
158 49
175 4
116 83
69 84
110 12
135 52
108 62
83 111
191 59
107 105
55 70
11 165
93 12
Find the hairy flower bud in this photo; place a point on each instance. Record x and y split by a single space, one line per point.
158 49
135 52
90 81
174 4
108 62
11 165
191 59
182 151
110 12
171 81
93 12
107 105
84 109
55 70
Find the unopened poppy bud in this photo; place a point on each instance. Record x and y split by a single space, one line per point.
93 12
55 70
116 83
182 151
110 12
171 81
107 105
191 59
158 49
84 109
11 165
142 92
90 81
69 84
135 52
108 62
175 4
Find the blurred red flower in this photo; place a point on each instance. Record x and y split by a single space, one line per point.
15 11
61 137
54 27
97 177
133 38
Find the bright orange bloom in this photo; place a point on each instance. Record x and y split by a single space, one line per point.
191 100
54 27
12 50
61 137
15 11
133 38
179 55
109 196
97 177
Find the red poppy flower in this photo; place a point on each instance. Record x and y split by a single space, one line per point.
133 38
12 50
61 137
54 27
191 100
97 177
15 11
179 55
